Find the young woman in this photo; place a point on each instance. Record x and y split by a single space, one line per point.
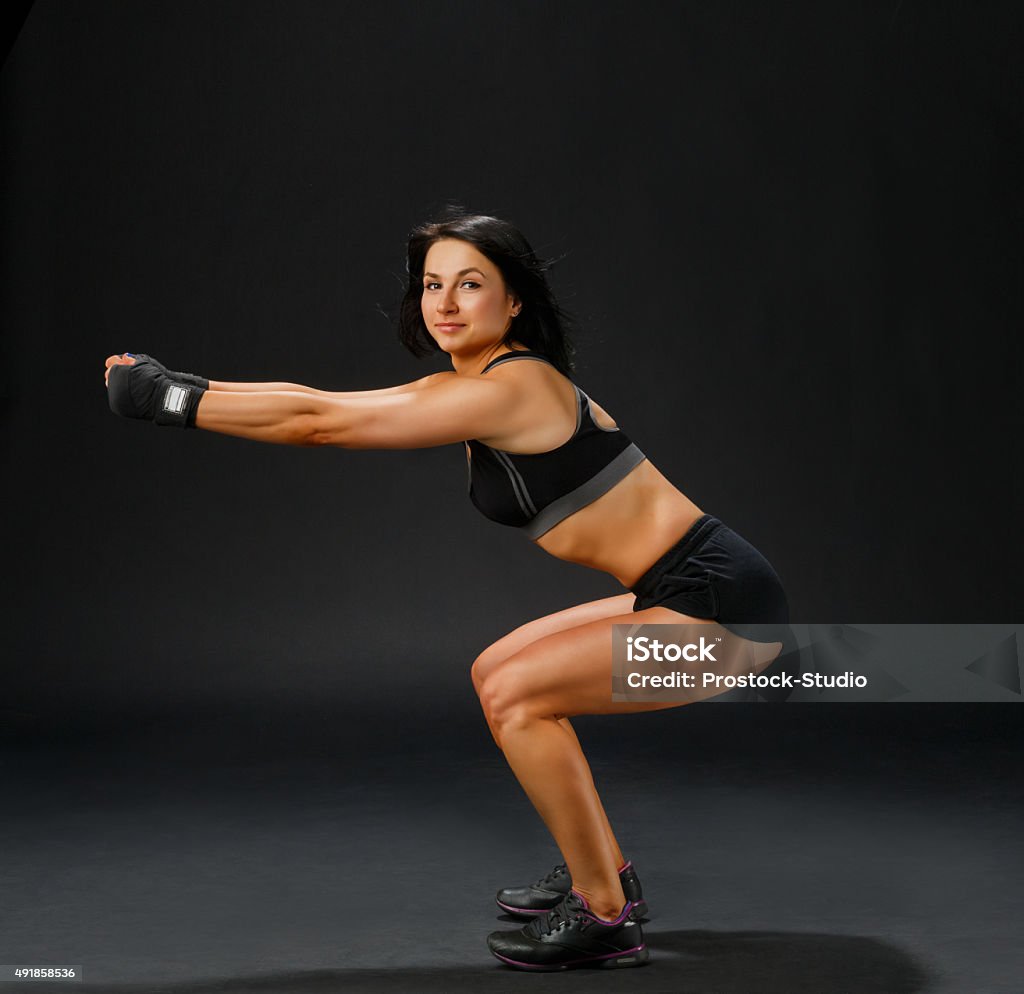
545 458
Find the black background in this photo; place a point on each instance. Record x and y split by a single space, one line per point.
235 680
790 233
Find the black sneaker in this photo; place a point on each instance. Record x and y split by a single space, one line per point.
544 895
571 936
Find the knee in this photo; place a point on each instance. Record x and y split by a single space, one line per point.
505 699
484 665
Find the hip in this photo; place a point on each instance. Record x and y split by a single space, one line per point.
713 572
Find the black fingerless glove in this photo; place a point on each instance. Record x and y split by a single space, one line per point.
190 378
146 391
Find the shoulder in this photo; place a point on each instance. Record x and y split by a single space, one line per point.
541 403
535 368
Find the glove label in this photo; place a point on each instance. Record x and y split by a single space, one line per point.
174 399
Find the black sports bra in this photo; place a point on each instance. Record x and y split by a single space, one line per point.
534 491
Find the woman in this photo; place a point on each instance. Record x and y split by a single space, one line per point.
545 458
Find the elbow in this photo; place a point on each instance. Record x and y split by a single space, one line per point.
337 425
317 431
318 439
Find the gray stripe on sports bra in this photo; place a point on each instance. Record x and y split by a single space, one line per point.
587 493
518 484
579 411
515 355
594 421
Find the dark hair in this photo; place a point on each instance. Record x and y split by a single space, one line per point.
541 325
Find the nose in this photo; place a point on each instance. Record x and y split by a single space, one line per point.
446 302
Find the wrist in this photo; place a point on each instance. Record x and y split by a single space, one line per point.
144 392
192 379
178 405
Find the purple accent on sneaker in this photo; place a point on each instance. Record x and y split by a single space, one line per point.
534 913
572 962
522 911
623 914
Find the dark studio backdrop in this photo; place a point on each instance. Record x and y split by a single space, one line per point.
790 233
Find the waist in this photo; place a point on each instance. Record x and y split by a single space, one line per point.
692 539
623 531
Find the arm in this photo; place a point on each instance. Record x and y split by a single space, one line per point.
449 409
224 386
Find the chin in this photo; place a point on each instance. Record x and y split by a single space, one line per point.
440 344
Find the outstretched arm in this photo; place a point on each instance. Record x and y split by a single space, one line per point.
225 386
436 410
450 410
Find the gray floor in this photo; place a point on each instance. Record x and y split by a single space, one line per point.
782 850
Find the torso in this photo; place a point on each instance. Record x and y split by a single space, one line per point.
625 530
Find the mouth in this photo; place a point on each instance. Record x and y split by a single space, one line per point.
449 327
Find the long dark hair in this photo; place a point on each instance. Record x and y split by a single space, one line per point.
541 325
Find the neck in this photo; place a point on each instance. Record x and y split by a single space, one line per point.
473 365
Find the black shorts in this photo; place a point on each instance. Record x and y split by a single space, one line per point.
712 573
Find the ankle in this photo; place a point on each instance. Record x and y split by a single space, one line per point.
603 904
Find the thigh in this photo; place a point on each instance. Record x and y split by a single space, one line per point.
571 617
569 673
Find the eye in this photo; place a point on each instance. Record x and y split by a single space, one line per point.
472 284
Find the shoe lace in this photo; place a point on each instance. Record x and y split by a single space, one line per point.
559 871
563 914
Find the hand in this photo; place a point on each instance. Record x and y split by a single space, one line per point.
130 358
127 359
140 388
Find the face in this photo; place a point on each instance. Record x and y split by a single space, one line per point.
465 304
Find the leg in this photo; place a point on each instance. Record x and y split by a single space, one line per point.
556 676
507 646
572 617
